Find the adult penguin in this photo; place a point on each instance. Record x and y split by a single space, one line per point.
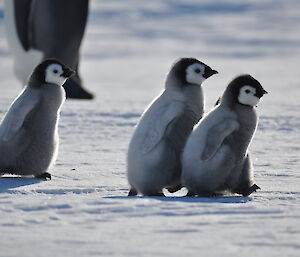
38 30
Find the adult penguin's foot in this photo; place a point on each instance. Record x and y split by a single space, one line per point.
74 89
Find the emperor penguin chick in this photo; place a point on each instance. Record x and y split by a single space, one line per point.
153 160
216 158
28 131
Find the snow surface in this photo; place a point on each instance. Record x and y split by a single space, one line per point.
128 49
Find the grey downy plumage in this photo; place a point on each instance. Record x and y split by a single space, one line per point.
153 160
216 157
29 129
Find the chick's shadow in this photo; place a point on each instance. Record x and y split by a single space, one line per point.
7 183
219 199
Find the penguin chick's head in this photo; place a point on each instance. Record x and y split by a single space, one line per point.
52 71
245 90
191 71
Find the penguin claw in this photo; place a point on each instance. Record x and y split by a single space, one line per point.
250 190
189 194
132 192
256 187
75 90
155 194
174 189
44 176
160 194
218 101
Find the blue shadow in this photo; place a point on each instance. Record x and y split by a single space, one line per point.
223 199
7 183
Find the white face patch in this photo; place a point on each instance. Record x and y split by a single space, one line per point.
53 74
194 73
247 96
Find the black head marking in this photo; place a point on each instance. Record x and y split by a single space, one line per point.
180 65
38 74
233 89
179 69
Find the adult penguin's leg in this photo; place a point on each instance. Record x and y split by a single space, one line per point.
57 29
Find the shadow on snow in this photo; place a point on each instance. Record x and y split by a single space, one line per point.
223 199
7 183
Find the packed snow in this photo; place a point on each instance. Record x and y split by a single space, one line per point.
128 48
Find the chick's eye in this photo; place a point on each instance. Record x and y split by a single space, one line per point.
55 71
197 70
247 91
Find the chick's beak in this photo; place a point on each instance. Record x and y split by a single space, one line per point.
209 72
261 93
68 72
